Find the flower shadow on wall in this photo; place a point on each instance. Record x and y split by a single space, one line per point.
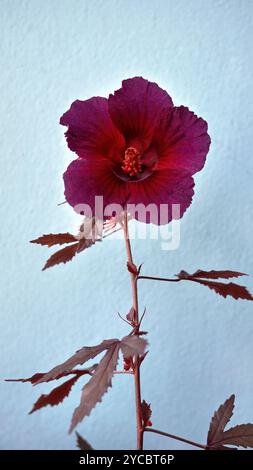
134 148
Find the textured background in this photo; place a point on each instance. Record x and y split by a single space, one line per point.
53 52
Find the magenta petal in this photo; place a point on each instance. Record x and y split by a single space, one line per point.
172 143
84 180
135 108
91 130
166 187
182 140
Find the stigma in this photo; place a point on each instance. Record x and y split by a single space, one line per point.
132 162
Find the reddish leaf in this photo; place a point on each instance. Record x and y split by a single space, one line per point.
132 268
234 290
101 376
217 274
97 386
82 443
209 274
67 254
35 379
32 379
56 396
84 243
146 413
54 239
132 345
80 357
220 419
183 275
89 234
62 256
240 435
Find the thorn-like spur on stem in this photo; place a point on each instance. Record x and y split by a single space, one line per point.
178 438
143 315
122 318
61 203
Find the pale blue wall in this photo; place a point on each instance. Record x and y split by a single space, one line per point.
53 52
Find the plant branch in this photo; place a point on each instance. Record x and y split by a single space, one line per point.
178 438
137 358
127 372
151 278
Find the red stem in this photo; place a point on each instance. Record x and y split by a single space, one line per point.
134 281
127 372
137 359
159 279
172 436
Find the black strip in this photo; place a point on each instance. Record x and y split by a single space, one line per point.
108 459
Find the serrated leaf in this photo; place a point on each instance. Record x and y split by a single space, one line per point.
85 243
55 239
62 256
146 413
80 357
233 290
89 234
220 419
81 443
133 345
56 396
97 386
216 274
240 435
34 380
68 253
101 374
183 275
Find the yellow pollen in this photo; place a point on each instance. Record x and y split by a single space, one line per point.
131 162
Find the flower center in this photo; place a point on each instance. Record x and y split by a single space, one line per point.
131 162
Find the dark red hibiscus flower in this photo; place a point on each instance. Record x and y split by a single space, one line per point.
134 148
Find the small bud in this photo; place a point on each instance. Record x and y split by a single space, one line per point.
132 268
127 363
